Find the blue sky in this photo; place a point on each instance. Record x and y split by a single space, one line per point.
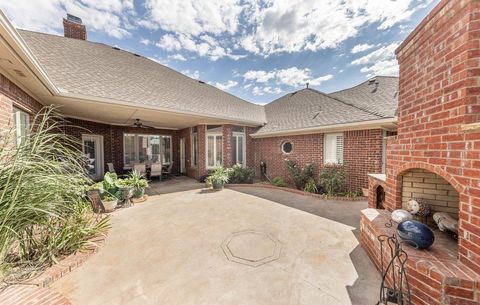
257 50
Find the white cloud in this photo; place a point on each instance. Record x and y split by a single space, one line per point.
258 91
379 62
293 77
193 17
145 41
204 45
193 74
179 57
259 76
361 47
301 25
225 86
111 17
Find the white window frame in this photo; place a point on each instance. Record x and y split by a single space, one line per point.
194 144
326 140
215 135
283 150
135 143
18 113
235 136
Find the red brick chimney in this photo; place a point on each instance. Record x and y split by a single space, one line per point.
73 28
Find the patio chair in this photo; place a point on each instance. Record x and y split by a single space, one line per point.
141 168
168 172
111 168
156 171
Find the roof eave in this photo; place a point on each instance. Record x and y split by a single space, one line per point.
384 123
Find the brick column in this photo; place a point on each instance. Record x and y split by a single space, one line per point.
227 145
202 154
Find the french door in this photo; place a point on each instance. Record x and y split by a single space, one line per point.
92 146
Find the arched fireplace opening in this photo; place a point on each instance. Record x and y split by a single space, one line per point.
442 200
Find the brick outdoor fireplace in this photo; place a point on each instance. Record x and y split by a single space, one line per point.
436 154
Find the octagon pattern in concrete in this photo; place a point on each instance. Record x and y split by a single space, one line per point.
252 248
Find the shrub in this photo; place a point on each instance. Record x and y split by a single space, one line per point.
240 175
43 208
333 179
299 176
278 181
311 186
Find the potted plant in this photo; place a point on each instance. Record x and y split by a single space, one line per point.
218 178
109 202
138 183
125 191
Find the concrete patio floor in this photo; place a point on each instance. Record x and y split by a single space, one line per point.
228 247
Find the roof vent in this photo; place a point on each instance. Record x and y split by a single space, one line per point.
116 48
19 73
372 81
138 55
201 82
307 84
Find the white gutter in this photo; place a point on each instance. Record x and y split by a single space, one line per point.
328 128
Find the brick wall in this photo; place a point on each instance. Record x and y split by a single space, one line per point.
362 154
12 96
439 77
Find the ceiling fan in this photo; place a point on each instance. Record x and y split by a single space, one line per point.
138 123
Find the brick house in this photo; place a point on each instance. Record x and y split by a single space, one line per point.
182 121
436 153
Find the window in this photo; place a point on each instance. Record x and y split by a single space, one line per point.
214 150
333 148
21 121
143 148
194 146
238 150
287 147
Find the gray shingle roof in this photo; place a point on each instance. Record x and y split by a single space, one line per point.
310 108
377 95
99 70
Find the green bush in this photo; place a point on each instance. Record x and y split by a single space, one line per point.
278 181
311 186
333 179
300 176
241 175
44 213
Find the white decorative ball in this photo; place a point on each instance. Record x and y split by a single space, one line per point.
401 215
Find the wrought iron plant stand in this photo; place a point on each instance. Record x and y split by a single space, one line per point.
394 288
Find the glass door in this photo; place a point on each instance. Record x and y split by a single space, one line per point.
92 146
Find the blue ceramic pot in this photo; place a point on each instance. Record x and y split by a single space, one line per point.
416 234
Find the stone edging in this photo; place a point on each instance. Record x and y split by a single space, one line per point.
295 191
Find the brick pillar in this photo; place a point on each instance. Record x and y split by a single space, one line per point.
202 154
6 111
227 146
250 148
